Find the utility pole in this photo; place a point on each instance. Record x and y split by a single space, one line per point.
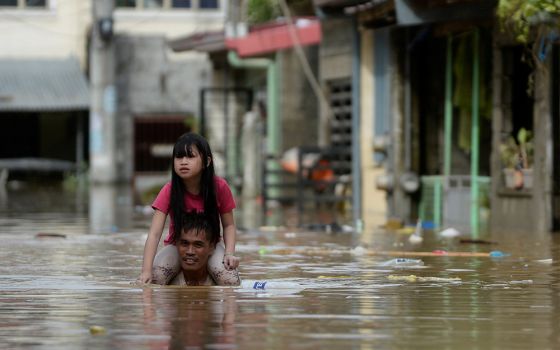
103 130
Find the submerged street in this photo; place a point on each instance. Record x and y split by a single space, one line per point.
64 286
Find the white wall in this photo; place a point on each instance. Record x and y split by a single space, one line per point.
56 32
374 202
61 30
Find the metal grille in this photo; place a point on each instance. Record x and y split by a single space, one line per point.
340 96
154 138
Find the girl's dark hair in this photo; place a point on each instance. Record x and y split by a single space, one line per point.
198 222
184 147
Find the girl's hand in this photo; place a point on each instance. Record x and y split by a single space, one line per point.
230 261
145 277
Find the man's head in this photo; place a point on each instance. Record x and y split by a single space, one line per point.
196 243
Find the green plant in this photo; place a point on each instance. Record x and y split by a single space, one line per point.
518 151
520 17
261 11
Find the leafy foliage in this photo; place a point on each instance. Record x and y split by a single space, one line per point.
519 17
518 151
261 11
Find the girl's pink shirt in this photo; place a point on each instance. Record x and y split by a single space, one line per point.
224 198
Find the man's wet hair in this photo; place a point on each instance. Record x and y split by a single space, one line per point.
200 223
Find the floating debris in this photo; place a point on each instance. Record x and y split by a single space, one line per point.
416 237
359 250
521 282
97 330
402 262
497 254
414 278
450 233
544 261
476 241
49 235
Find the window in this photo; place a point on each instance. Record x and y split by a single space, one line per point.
208 4
8 3
152 4
35 3
23 4
181 4
126 3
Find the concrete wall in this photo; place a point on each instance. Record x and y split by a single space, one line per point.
167 23
299 105
151 82
148 83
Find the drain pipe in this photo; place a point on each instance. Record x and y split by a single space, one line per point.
273 143
475 138
356 154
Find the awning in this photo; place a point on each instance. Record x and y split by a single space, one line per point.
42 85
379 13
276 36
205 42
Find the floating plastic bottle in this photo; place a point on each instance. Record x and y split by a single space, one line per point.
268 285
402 262
497 254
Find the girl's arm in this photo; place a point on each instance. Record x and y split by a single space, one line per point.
156 229
228 225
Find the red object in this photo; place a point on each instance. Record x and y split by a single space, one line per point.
277 36
224 199
439 252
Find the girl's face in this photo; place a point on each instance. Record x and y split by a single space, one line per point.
188 165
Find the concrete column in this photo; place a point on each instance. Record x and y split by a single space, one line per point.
103 153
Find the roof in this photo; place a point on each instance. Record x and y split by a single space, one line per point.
262 39
205 42
42 85
277 35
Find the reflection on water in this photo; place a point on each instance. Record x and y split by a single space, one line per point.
53 290
110 207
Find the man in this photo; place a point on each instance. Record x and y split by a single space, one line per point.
195 246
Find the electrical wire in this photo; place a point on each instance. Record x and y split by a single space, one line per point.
319 93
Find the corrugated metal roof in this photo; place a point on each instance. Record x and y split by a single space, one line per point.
42 85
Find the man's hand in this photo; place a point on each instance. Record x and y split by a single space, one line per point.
231 262
145 277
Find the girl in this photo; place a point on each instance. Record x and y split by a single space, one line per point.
193 187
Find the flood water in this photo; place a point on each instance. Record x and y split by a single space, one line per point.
73 291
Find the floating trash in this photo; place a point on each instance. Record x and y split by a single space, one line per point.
49 235
268 285
497 254
402 262
97 330
476 241
416 237
358 250
414 278
521 282
544 261
450 233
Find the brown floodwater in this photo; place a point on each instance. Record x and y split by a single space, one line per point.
73 290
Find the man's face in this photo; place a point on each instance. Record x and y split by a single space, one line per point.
194 250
